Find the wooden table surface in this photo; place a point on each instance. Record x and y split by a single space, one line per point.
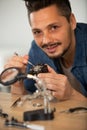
61 121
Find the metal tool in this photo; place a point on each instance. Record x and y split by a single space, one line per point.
28 61
75 109
15 123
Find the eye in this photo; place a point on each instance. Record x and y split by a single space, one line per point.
54 27
37 32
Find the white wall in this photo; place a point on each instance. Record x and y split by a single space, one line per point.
15 33
79 8
14 27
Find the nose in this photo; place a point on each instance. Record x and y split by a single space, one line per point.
47 38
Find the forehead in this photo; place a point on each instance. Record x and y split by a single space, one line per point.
44 16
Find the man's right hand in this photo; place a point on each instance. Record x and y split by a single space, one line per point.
21 63
17 61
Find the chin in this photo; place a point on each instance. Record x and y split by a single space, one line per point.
54 55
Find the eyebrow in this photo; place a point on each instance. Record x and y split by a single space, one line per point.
35 29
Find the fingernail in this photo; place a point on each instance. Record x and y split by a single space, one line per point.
25 61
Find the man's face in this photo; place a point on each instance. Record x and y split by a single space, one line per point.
52 32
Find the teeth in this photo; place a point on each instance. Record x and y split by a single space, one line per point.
52 45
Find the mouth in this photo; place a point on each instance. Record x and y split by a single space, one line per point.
51 48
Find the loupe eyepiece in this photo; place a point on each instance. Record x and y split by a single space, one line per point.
8 76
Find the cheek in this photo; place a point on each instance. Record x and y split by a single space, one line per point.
63 35
66 37
38 41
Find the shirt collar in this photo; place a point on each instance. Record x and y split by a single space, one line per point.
80 53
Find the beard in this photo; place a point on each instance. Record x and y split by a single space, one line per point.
55 55
66 50
49 45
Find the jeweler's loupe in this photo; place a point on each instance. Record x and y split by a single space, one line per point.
11 75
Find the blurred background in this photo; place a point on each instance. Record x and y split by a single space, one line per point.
15 32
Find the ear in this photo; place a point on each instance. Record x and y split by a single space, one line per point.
73 21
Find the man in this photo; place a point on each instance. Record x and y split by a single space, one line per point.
58 42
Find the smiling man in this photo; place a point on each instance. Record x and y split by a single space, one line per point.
59 42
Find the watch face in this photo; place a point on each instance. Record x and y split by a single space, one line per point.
39 68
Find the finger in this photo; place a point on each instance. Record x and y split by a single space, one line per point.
26 56
51 70
25 59
20 59
15 61
58 95
54 86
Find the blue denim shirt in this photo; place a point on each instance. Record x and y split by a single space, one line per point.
79 68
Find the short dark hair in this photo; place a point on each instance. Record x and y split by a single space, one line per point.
63 6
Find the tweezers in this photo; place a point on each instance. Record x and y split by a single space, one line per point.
15 103
75 109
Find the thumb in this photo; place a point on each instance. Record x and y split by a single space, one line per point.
25 59
26 56
50 70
